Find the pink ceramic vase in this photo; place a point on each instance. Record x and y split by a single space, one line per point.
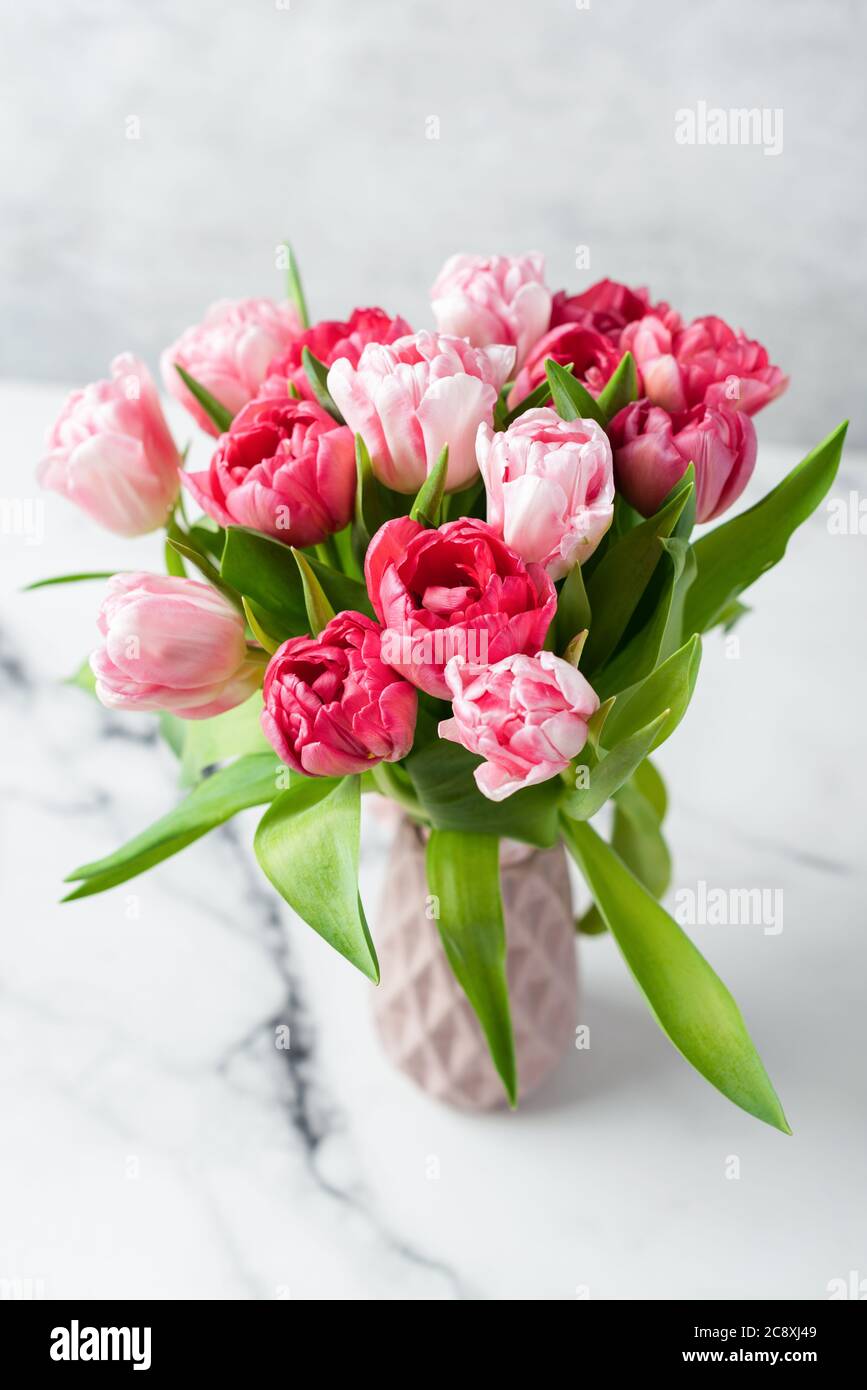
422 1015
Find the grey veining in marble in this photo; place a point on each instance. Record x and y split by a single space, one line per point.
309 118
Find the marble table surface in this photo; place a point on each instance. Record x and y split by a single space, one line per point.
156 1142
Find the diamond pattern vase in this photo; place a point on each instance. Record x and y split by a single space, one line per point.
423 1018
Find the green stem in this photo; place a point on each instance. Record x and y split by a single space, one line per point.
388 783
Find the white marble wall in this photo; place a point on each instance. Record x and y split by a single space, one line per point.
308 118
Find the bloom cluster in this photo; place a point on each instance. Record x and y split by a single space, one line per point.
461 588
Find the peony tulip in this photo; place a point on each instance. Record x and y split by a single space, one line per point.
172 644
525 715
455 591
704 363
493 299
550 487
284 467
413 396
653 449
593 358
110 452
332 707
327 341
606 306
229 353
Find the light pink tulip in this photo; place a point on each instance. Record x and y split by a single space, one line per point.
493 299
332 707
409 398
172 644
229 353
550 486
110 452
652 450
526 716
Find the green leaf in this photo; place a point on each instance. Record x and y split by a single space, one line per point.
342 592
669 687
620 389
263 569
442 774
234 734
638 839
70 579
216 412
174 560
208 537
540 396
735 554
573 608
426 507
610 772
258 626
173 731
688 1000
571 400
307 844
317 375
248 782
470 501
641 647
294 290
179 542
618 582
319 610
463 873
370 512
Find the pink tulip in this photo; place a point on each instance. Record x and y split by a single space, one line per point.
413 396
705 362
456 591
652 450
110 452
526 716
550 487
328 341
593 358
229 353
493 299
332 707
172 644
284 467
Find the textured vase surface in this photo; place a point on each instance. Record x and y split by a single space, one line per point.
426 1025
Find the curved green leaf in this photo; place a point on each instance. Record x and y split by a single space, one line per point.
307 844
317 375
70 579
669 687
620 389
251 781
735 554
688 1000
463 873
214 409
608 774
319 610
426 507
294 289
572 401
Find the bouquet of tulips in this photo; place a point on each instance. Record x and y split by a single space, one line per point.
457 568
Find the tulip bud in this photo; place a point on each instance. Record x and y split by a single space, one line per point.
110 452
172 644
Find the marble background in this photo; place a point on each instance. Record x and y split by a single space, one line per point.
308 118
156 1143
